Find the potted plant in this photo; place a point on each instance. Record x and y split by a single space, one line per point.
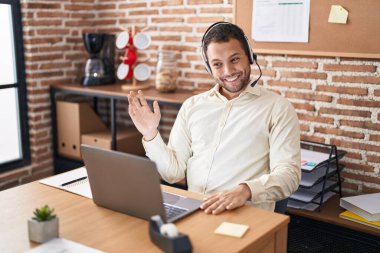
43 226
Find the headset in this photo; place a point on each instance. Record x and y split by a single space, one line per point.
252 57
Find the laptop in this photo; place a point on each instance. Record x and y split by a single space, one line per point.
131 184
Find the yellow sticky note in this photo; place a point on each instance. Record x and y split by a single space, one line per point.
338 15
231 229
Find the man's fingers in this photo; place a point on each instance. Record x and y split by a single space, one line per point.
134 100
233 205
131 105
212 207
217 207
221 207
220 202
141 98
156 108
214 196
215 204
209 201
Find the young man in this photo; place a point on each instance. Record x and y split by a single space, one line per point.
236 143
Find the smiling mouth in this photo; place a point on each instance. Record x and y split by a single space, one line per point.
232 78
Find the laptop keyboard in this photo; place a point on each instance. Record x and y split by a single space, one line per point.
173 211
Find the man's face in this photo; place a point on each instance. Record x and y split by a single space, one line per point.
230 66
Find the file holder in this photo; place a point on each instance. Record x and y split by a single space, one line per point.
178 244
314 194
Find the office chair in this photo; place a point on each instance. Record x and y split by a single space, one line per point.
280 206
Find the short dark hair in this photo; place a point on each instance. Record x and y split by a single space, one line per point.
223 32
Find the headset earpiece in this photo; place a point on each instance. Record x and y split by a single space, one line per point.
205 61
252 56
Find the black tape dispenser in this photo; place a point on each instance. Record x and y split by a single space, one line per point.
167 237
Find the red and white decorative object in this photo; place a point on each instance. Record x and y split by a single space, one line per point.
130 68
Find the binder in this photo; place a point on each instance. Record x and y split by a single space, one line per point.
366 206
356 218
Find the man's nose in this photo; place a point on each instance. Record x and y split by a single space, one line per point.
228 69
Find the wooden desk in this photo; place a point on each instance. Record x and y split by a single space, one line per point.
330 214
80 220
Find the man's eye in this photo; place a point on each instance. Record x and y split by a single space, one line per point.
235 60
217 65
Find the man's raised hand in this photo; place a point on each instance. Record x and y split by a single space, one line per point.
145 120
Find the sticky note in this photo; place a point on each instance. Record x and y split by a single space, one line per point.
338 15
231 229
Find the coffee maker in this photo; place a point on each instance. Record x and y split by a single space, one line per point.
100 68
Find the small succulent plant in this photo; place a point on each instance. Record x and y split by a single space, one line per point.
44 213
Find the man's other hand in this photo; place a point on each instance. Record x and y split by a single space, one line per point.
226 200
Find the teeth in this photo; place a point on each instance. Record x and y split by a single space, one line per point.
231 79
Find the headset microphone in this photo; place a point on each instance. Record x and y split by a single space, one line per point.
254 83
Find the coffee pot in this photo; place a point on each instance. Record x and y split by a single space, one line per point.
99 67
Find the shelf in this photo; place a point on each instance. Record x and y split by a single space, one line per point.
324 163
308 180
308 195
320 179
309 206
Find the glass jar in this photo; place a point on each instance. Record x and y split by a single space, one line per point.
166 72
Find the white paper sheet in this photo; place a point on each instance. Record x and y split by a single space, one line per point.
60 245
309 206
281 20
81 187
310 159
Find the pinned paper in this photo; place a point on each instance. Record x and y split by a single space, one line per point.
338 15
231 229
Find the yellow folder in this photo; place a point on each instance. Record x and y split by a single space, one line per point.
356 218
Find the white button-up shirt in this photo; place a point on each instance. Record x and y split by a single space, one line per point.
217 144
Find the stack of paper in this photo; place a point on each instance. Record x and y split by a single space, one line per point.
60 245
363 208
366 206
310 159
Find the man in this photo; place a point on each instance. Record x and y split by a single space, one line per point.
235 143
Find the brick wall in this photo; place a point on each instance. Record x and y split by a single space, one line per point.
337 99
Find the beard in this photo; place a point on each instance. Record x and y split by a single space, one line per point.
238 85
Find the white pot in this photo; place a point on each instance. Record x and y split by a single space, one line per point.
43 231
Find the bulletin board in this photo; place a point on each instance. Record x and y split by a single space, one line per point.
360 37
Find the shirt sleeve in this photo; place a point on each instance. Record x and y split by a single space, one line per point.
284 154
171 159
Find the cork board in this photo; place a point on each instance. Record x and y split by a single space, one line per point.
360 37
